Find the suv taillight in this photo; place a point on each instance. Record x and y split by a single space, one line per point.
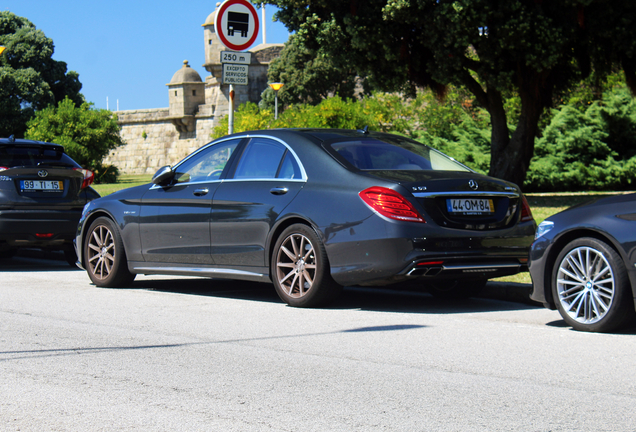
526 213
89 177
3 168
391 204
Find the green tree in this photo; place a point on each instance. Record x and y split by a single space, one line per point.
307 78
591 149
534 49
30 79
87 134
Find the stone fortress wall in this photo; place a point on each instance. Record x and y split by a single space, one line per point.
163 136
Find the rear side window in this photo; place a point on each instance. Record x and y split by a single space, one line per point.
19 156
373 154
267 159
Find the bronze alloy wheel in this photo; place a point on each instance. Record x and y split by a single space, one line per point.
296 265
101 252
105 257
300 268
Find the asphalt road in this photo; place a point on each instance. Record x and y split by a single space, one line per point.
178 354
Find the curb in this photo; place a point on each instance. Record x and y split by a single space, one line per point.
509 291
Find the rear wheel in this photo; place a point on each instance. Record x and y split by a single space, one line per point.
8 253
457 289
70 256
590 286
105 256
300 269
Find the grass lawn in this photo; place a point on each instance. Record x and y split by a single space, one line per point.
125 181
542 205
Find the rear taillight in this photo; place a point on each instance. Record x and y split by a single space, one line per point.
89 177
391 204
526 213
3 168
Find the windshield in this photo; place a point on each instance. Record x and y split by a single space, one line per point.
393 154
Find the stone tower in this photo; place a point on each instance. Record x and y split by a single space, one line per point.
186 93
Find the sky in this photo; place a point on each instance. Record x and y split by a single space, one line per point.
125 52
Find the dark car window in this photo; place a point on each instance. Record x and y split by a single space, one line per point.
373 154
207 164
260 160
289 168
16 156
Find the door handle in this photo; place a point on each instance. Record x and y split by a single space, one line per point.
278 191
201 192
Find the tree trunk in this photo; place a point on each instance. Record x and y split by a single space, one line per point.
510 155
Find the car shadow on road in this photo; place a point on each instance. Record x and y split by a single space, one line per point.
36 260
364 298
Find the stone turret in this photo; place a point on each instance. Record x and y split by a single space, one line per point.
186 93
213 45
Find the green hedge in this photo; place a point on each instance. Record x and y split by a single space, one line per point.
585 145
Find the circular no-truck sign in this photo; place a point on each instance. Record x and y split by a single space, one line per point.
236 24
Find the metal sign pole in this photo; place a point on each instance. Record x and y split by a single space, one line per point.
230 117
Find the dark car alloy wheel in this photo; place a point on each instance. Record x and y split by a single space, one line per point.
300 268
105 257
590 286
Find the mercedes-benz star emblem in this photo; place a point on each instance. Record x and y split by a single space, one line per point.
43 173
473 184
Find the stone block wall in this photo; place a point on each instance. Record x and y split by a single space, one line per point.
152 140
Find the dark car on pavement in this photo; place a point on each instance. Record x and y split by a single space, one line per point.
42 194
583 263
312 210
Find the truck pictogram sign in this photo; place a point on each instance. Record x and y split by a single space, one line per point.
237 24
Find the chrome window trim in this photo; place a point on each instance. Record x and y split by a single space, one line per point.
154 186
466 193
303 173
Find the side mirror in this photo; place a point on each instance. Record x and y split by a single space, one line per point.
163 175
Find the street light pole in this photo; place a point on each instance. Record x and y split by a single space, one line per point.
276 86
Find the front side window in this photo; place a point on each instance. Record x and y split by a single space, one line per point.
393 154
207 164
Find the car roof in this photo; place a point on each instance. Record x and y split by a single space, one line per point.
30 143
316 135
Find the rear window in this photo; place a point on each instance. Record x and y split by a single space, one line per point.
389 154
18 156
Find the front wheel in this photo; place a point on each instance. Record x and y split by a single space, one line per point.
106 262
590 286
300 269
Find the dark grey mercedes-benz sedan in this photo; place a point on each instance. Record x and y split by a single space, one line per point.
312 210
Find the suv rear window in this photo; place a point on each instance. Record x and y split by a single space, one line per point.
373 154
17 156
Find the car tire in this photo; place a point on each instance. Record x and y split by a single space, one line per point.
300 269
456 289
70 256
8 253
105 256
590 286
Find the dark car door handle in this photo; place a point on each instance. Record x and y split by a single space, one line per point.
279 190
201 192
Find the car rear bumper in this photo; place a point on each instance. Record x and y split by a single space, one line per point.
451 254
38 228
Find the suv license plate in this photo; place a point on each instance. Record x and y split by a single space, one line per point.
41 186
470 206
